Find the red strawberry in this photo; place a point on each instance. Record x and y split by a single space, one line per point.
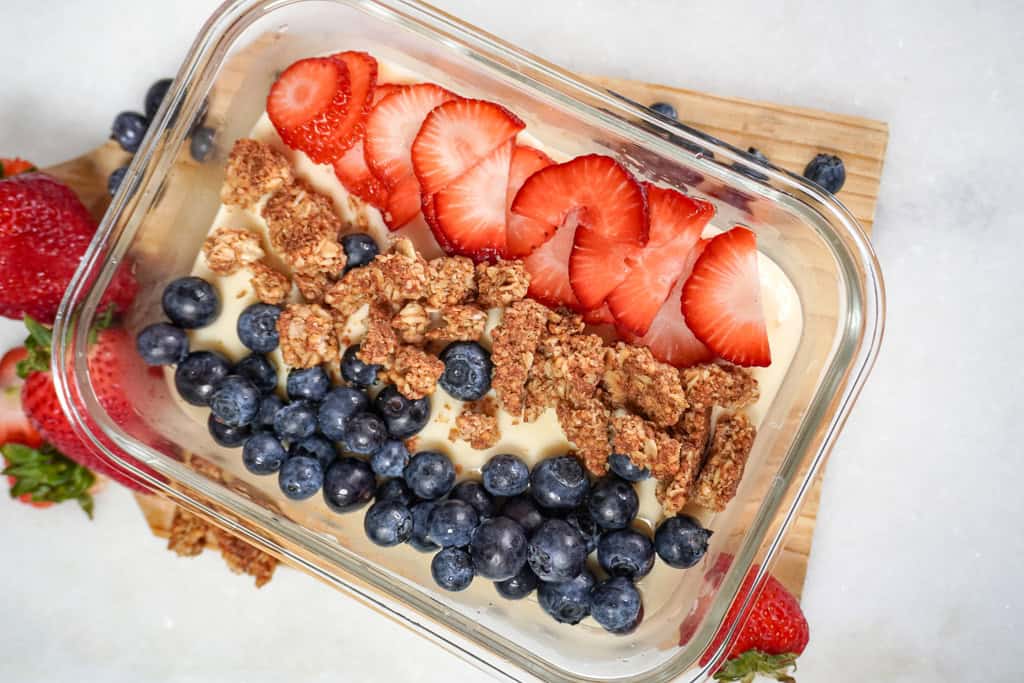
548 267
393 124
525 162
362 80
596 188
308 103
722 299
9 167
14 424
456 136
403 202
599 316
44 232
351 168
676 222
470 212
668 337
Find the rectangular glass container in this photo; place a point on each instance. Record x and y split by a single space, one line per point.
164 209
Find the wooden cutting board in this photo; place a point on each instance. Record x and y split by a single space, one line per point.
788 136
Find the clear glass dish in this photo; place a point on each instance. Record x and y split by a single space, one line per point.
163 211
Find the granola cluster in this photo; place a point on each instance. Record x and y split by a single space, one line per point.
228 250
190 535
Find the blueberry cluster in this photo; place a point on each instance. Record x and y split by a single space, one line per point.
130 127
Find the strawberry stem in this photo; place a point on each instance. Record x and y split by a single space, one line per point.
38 347
745 667
47 476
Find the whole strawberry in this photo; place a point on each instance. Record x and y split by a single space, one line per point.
44 232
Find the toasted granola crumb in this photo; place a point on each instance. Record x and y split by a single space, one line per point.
634 379
514 342
414 372
188 534
380 343
630 437
477 425
501 284
694 426
404 274
587 427
411 323
312 287
450 281
307 335
460 322
727 458
253 170
205 468
674 493
563 322
565 369
271 287
667 456
244 558
304 227
358 286
716 384
228 250
485 406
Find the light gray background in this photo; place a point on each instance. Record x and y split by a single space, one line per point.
918 553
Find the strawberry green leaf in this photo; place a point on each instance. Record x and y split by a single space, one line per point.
47 475
745 667
38 346
102 322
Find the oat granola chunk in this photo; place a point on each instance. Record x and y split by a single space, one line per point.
634 379
307 335
478 424
228 250
414 372
460 322
411 323
380 343
313 288
188 534
271 287
253 170
565 369
514 342
727 457
359 286
304 228
587 427
674 493
450 281
501 284
563 322
694 426
244 558
645 445
716 384
403 272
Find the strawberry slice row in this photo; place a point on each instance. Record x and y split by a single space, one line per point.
309 106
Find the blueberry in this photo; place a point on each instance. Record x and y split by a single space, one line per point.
314 447
263 453
828 171
506 475
191 302
559 483
162 344
129 128
665 109
365 433
556 551
226 435
258 370
452 569
498 549
615 604
404 417
625 552
613 503
681 541
356 372
580 520
523 511
359 248
269 405
201 144
421 526
295 421
472 492
430 474
257 327
300 478
339 405
198 375
309 384
349 484
749 170
235 401
452 524
155 95
519 586
395 489
567 602
624 467
115 179
390 459
467 370
388 523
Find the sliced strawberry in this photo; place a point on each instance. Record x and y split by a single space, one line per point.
676 222
430 218
525 162
604 194
308 103
599 316
456 136
470 212
722 299
362 78
393 124
403 202
354 174
548 267
14 424
383 90
668 337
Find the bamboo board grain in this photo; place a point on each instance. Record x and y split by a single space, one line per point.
788 136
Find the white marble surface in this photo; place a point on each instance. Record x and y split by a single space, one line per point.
918 553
